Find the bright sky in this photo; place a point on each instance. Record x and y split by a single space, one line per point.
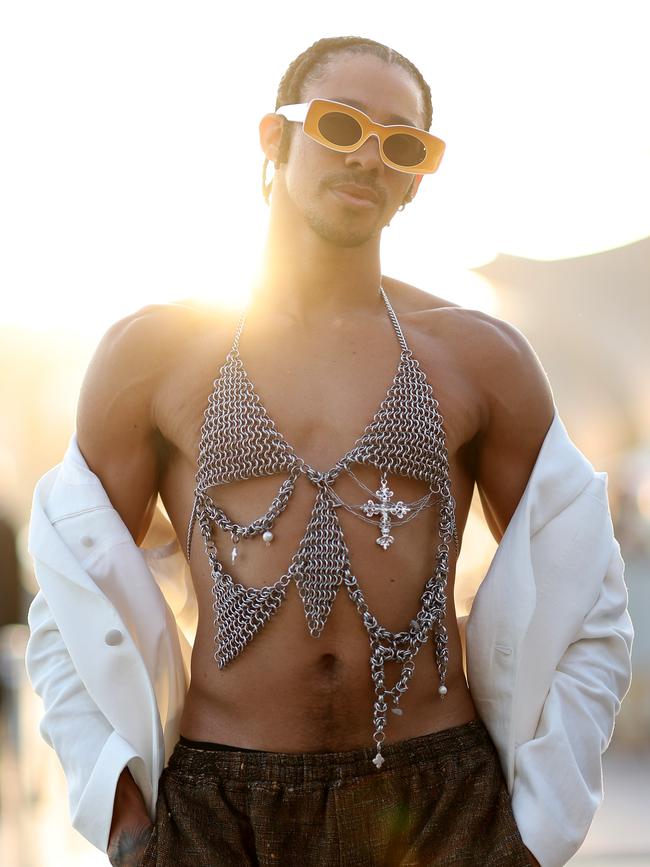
130 167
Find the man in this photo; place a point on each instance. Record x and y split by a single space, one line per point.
283 735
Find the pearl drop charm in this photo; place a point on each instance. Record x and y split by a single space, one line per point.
234 554
267 536
442 690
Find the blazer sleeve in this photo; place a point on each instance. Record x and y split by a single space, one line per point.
558 774
105 653
91 752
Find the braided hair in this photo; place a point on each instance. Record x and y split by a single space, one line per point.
309 66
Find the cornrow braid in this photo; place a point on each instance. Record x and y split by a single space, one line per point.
309 66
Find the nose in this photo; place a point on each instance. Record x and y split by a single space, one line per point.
367 157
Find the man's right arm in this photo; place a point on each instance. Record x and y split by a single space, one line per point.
116 431
117 435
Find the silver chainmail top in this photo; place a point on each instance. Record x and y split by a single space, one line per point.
406 437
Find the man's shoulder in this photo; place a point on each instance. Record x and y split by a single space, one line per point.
166 321
137 354
485 334
491 355
151 337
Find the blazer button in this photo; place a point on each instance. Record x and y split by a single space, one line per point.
87 541
113 637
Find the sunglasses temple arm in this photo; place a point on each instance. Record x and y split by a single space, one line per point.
296 112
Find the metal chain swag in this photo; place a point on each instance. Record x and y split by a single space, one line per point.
406 437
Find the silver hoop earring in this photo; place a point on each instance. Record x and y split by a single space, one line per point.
266 186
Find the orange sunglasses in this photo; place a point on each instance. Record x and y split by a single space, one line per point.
344 128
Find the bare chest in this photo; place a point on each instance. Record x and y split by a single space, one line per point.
321 392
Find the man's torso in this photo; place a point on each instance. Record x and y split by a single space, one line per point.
321 381
321 385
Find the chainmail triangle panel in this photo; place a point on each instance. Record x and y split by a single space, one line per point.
320 563
238 438
243 611
405 434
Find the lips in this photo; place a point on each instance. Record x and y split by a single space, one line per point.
366 194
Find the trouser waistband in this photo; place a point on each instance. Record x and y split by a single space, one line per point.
220 760
212 745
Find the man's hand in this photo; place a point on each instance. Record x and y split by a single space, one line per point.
127 844
131 826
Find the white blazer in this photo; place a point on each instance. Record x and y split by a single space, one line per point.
548 646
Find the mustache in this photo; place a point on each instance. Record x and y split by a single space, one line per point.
362 179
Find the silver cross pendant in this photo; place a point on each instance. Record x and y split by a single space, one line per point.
386 510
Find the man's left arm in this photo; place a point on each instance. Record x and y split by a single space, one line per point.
518 411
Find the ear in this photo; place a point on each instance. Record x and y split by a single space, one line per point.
270 135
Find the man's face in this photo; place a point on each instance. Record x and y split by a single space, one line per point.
314 174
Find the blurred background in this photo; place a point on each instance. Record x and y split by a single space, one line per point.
118 188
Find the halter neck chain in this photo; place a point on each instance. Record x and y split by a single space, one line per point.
239 441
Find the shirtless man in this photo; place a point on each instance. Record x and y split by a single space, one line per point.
321 350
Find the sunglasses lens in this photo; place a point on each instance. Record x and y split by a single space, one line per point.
404 150
339 128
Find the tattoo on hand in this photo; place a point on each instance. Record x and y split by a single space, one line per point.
128 849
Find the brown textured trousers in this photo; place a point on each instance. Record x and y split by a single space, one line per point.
440 799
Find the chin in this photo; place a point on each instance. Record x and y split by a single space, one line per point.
340 235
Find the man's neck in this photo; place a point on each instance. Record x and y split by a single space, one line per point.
302 275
